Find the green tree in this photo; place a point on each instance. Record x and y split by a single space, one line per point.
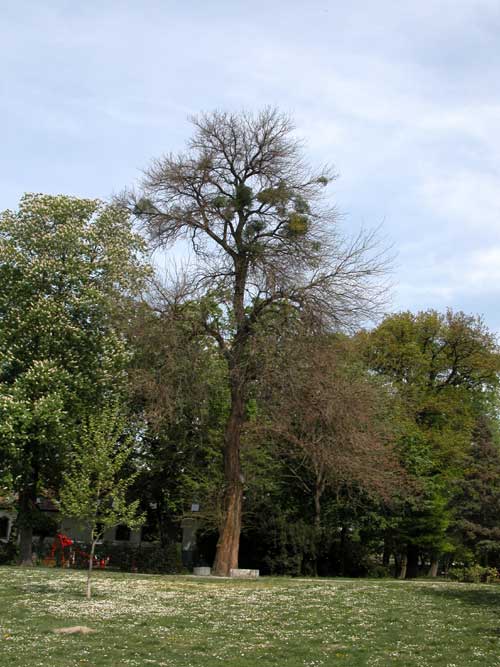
443 367
67 269
96 483
179 388
477 498
330 423
264 240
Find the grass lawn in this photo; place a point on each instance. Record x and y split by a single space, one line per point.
182 621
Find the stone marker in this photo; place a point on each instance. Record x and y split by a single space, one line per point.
202 571
239 573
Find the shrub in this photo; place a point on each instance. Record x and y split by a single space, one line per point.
9 553
281 547
377 571
151 558
158 559
474 574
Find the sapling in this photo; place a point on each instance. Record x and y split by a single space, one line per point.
95 486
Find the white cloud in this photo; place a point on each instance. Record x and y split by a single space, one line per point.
466 201
401 97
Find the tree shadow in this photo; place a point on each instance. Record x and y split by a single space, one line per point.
487 598
481 596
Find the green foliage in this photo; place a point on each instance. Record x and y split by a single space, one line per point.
298 224
44 524
434 350
243 197
278 196
153 558
9 552
252 229
323 180
144 206
220 201
68 269
377 571
474 574
301 205
179 383
444 370
95 486
477 496
287 547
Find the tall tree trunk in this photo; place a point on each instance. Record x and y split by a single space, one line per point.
319 489
344 536
26 545
433 570
226 556
412 567
403 566
27 500
386 556
318 494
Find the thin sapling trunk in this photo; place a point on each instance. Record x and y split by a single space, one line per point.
94 539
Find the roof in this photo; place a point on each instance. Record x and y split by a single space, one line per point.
43 503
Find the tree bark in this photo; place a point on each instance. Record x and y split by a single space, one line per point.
26 546
226 556
412 567
402 571
88 591
386 556
343 550
27 500
433 570
319 489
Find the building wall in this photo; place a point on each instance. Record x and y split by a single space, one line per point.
10 516
72 529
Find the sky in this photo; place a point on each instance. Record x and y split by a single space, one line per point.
402 98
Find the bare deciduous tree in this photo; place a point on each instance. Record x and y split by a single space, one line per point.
330 419
264 238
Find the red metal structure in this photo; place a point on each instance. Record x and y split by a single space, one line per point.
69 551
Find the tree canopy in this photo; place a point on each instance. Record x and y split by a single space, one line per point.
264 239
309 442
68 267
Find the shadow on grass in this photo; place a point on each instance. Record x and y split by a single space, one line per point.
480 596
39 589
486 598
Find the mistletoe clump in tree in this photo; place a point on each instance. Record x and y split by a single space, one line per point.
264 240
68 267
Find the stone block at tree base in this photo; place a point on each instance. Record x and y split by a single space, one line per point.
239 573
201 571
